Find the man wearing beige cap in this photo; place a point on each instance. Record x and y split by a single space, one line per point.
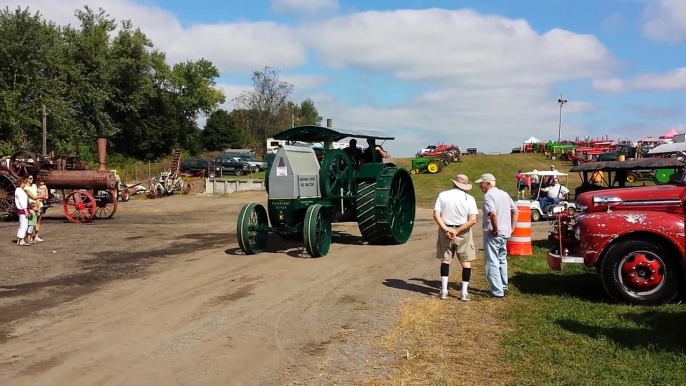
455 212
500 218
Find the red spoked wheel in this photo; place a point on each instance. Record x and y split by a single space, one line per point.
24 164
642 272
79 206
106 205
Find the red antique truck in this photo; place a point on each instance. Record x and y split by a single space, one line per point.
633 237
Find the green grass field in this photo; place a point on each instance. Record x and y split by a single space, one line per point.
554 328
566 332
504 167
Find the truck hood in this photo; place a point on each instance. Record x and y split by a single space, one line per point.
650 198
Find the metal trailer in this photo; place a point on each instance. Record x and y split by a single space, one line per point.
306 197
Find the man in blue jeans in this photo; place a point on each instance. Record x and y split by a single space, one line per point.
499 219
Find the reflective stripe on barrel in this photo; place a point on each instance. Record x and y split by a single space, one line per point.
519 244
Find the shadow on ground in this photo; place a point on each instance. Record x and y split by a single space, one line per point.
583 286
655 330
295 247
543 244
424 286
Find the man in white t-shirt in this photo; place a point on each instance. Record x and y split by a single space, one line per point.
455 212
554 193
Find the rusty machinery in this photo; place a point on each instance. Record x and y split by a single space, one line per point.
92 193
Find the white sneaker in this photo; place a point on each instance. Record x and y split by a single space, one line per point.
465 297
443 295
38 240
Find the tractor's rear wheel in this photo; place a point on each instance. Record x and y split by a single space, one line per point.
317 230
385 207
434 166
252 229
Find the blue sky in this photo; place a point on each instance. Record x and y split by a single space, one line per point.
483 74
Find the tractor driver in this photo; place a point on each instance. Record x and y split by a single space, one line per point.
354 152
380 152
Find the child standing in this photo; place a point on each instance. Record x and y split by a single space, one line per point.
33 219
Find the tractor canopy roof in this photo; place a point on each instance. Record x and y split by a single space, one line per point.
632 164
545 173
314 134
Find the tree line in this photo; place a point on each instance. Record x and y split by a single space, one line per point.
93 82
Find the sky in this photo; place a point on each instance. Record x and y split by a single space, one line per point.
480 73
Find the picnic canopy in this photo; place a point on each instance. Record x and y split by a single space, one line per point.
670 135
532 140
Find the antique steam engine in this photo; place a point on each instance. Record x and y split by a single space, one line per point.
86 193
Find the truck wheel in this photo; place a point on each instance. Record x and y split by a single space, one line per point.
630 177
640 272
239 172
535 215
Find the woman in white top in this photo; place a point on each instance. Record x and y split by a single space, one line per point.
21 201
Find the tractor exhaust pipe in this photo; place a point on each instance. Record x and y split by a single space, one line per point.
102 154
329 123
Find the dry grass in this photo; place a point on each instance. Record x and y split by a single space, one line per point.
441 342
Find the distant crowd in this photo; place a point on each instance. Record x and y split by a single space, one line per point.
30 199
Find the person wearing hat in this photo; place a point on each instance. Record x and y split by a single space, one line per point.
500 218
455 212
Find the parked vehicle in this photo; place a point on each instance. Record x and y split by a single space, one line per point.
198 166
234 165
254 164
633 236
539 213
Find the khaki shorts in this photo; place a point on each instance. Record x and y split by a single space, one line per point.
462 246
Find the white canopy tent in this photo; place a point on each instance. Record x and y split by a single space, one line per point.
532 140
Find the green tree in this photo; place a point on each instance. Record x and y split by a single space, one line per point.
221 132
264 103
309 114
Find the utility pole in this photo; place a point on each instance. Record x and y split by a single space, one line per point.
45 132
561 101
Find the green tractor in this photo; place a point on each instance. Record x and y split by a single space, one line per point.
426 164
305 195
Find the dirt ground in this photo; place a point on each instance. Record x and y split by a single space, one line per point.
161 294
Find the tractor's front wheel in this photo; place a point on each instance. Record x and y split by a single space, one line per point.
252 229
317 230
640 272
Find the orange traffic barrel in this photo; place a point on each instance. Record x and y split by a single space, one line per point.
520 242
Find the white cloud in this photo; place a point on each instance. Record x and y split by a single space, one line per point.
304 81
240 47
462 46
666 20
669 81
306 6
494 80
614 22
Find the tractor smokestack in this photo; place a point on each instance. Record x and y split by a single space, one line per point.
102 154
329 122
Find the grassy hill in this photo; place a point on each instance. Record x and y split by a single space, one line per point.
504 167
